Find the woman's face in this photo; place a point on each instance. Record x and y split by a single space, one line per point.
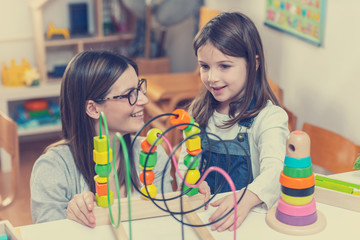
224 76
120 115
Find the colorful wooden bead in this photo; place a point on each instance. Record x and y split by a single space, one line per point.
151 160
103 170
193 143
192 162
181 117
192 131
99 179
145 146
296 200
100 144
154 134
192 192
102 201
188 127
192 176
102 157
297 183
194 152
149 177
101 188
151 189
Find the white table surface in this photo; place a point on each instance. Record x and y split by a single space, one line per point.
341 224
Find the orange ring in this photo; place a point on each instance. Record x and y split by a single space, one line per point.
183 117
297 183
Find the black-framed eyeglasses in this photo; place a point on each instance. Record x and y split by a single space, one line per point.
133 94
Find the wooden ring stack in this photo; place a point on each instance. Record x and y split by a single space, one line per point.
296 211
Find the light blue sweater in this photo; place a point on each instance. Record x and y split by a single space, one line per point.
55 180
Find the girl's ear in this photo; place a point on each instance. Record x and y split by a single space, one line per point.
92 109
257 62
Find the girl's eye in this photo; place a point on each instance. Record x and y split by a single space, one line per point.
204 66
224 66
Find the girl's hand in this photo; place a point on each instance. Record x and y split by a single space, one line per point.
80 209
205 189
225 204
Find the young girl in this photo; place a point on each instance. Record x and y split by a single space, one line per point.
62 180
238 105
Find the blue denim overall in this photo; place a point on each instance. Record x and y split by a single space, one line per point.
237 163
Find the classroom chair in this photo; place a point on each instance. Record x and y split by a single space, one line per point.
331 151
9 142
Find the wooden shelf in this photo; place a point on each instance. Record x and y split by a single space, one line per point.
89 40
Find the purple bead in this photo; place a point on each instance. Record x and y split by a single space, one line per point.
296 220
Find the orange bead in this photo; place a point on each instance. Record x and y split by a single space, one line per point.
182 117
101 188
149 177
145 146
195 152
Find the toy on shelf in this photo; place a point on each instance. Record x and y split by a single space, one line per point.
19 75
8 232
296 211
52 31
184 203
35 113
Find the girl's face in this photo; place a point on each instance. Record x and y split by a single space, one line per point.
120 115
224 76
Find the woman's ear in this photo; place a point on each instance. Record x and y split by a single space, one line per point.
257 62
92 109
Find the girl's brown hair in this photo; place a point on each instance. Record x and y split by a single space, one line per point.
234 34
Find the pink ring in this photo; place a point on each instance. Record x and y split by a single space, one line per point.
297 210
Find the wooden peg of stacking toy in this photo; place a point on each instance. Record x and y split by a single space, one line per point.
296 212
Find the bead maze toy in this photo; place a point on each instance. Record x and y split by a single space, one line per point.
184 203
296 212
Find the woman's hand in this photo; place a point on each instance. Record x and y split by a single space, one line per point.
80 209
225 204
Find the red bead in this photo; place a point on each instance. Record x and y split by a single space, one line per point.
149 177
182 117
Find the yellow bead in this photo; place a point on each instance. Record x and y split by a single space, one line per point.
192 176
102 157
100 144
193 143
152 135
102 201
151 189
194 130
99 179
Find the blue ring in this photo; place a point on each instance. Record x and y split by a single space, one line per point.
297 162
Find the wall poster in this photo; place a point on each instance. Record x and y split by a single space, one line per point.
301 18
